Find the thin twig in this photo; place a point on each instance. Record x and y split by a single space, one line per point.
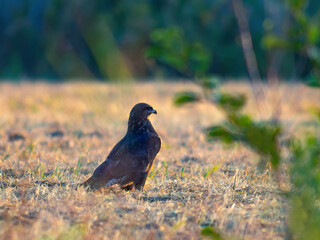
248 51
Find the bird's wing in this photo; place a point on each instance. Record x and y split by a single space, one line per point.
133 153
144 150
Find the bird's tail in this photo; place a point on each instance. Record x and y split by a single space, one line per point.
92 184
87 184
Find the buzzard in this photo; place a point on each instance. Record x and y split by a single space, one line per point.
131 159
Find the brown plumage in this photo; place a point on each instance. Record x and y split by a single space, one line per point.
131 159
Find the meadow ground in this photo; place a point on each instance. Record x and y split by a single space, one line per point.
52 136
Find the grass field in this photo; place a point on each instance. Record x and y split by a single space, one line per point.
52 136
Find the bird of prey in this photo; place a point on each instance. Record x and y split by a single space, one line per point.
131 159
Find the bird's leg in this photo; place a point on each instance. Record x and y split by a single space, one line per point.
141 181
139 187
128 187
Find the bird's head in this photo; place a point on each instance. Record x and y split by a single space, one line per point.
138 119
141 111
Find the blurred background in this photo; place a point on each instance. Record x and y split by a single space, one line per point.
110 40
55 134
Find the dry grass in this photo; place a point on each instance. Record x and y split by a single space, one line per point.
53 136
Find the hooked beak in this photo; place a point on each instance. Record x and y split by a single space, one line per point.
154 111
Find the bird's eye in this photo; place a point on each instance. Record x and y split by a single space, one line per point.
149 108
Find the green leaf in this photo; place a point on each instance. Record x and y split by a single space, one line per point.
186 97
263 138
314 54
230 103
313 33
220 133
318 114
240 121
313 81
207 172
210 83
272 41
198 58
211 232
297 5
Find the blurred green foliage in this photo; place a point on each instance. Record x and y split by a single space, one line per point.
230 103
264 138
109 39
211 233
313 81
304 216
186 97
170 46
261 137
77 38
301 37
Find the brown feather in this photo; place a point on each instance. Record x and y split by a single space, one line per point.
131 159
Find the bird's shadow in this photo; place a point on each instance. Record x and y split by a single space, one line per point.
156 198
